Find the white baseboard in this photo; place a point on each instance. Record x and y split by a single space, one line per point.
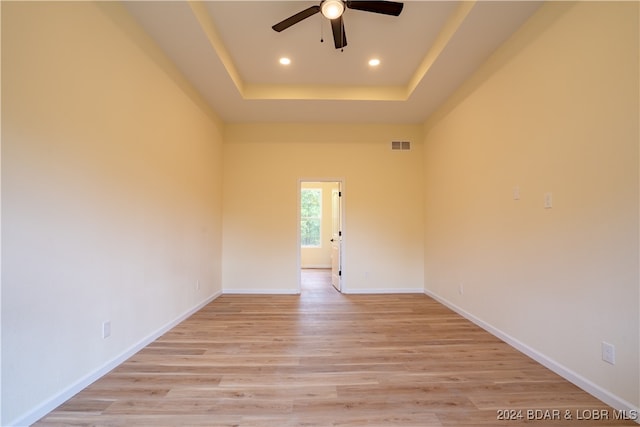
345 291
566 373
384 291
260 292
59 398
317 266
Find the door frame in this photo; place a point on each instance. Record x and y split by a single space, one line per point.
341 182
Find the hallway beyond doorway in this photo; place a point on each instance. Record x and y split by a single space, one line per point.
316 281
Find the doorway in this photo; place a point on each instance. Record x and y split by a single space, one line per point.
320 231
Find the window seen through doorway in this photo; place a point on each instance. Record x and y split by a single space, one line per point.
310 217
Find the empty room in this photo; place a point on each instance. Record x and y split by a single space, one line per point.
349 213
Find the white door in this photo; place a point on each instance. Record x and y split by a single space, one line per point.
336 238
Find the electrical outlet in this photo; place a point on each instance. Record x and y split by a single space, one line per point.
608 353
461 289
548 200
106 329
197 285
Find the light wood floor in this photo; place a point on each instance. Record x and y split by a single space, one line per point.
326 359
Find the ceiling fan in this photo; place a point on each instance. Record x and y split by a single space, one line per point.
333 10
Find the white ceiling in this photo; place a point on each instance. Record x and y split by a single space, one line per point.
229 52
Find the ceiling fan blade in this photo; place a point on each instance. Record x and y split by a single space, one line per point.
339 36
294 19
384 7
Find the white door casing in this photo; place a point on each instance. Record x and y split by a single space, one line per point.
336 238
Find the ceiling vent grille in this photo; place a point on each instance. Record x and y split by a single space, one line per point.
400 145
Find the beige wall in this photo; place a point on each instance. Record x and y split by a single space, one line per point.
113 205
383 232
111 192
555 110
320 257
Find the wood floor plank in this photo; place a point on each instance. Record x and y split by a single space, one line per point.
326 359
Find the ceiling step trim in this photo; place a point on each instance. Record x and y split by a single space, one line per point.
446 34
201 14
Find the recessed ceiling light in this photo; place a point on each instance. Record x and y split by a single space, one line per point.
285 61
374 62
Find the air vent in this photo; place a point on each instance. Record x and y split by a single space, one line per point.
400 145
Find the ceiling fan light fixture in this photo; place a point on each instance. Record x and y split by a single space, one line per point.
332 9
